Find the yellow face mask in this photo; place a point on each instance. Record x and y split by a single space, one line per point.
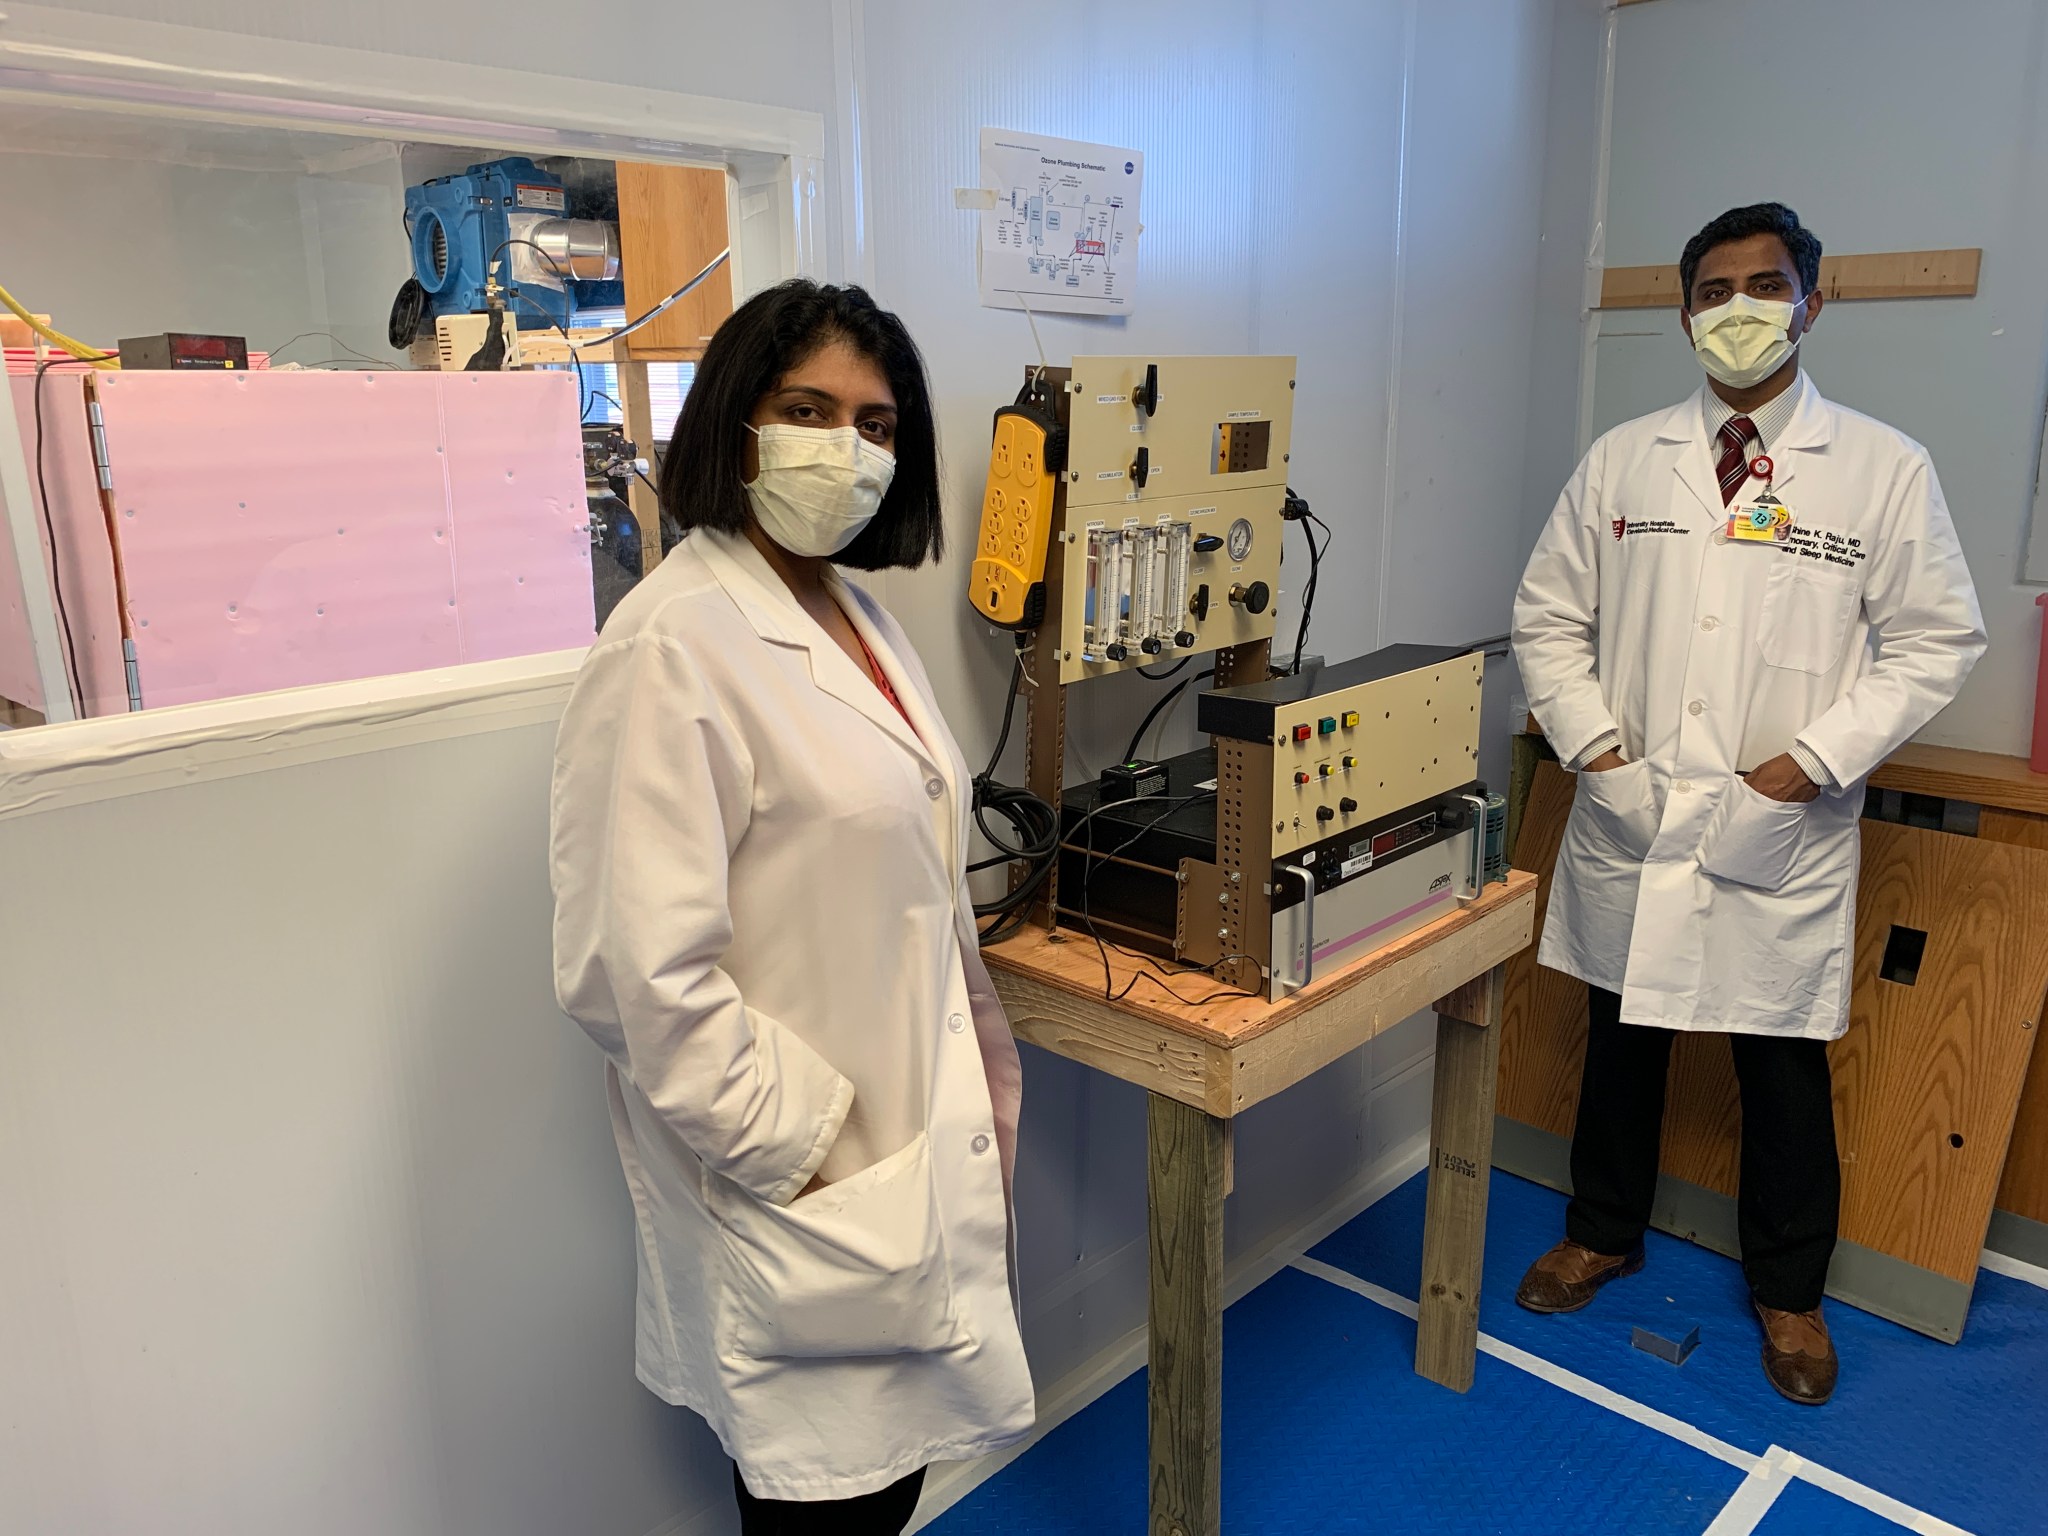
1745 340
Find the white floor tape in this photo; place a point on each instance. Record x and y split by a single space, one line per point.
1556 1375
1747 1506
1895 1510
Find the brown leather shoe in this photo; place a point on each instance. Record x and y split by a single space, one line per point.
1565 1278
1799 1357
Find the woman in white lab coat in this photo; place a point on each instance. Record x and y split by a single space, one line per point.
759 844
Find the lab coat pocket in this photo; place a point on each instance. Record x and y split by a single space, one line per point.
1752 839
1804 622
1617 801
858 1268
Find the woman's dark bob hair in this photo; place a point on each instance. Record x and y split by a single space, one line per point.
703 480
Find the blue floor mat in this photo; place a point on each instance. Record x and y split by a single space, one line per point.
1327 1429
1950 1429
1804 1510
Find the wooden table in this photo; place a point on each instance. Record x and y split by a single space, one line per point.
1204 1064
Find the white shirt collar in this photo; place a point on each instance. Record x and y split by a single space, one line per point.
1770 419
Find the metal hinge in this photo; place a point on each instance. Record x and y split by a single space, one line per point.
101 461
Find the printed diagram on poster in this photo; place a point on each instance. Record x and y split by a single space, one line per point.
1059 224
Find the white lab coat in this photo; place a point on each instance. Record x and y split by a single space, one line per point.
761 917
1704 904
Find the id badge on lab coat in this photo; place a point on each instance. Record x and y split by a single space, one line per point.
1764 520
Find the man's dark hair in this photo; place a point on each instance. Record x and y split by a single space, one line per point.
1757 219
703 477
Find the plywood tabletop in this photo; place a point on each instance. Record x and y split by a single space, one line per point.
1956 773
1205 1010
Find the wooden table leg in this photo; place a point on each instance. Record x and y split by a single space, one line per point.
1184 1180
1460 1162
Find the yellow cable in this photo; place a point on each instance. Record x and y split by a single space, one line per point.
77 348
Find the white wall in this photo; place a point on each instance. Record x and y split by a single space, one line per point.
1887 132
313 1216
1355 183
117 247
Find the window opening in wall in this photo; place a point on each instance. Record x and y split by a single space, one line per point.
355 400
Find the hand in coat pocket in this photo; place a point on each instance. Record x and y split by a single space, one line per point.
1617 802
856 1268
1752 839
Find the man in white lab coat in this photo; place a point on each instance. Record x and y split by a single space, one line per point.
1739 608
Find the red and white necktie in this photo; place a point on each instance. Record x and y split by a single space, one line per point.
1733 467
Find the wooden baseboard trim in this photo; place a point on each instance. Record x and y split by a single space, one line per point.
1860 1277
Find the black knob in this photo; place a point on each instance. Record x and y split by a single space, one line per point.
1198 605
1186 638
1208 543
1149 645
1146 396
1117 651
1347 805
1256 596
1324 813
1141 468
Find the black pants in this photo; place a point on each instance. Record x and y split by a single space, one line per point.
1791 1193
872 1514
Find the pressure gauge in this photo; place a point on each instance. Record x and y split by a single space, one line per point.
1240 541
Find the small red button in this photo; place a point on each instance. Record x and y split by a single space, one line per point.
1301 778
1303 732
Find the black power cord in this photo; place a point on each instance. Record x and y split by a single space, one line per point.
1034 824
76 679
1296 510
1160 707
1157 975
584 399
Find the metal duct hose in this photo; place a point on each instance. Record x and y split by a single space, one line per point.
584 250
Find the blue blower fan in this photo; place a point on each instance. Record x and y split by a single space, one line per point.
510 214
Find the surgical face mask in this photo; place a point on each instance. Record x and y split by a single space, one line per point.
1745 340
817 487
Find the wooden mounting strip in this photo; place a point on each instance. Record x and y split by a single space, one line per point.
1884 275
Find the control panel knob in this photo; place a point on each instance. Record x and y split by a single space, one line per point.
1208 543
1198 605
1185 639
1347 805
1324 813
1253 598
1146 395
1117 651
1150 645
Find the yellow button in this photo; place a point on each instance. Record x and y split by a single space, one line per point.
1350 720
1350 762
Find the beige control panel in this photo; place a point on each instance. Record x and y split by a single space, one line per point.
1169 543
1346 758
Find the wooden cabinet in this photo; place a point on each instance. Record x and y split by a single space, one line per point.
672 220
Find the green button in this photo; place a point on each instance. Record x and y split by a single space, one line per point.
1327 726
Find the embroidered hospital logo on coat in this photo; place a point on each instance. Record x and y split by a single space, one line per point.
1623 528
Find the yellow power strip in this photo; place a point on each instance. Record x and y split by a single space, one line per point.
1025 461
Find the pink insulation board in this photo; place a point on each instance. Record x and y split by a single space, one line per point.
281 529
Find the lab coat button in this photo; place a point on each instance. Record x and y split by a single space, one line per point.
1683 786
934 787
980 1145
1696 708
957 1023
1710 623
1720 535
